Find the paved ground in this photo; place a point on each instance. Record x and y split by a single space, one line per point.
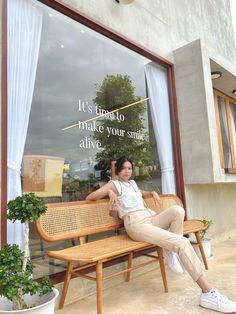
144 294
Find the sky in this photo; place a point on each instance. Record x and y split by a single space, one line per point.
233 9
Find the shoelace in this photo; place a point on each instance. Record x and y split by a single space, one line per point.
220 298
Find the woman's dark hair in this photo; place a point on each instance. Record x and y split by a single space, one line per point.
119 164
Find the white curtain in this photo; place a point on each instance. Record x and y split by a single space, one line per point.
24 33
157 85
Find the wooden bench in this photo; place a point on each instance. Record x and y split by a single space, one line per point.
81 219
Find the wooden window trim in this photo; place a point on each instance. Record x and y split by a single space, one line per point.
219 136
229 124
228 101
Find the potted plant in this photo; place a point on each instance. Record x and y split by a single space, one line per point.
207 223
206 241
19 292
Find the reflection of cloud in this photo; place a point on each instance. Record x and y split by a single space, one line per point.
66 75
86 59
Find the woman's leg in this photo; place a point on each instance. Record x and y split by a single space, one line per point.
203 284
141 228
170 219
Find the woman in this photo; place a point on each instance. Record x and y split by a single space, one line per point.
163 229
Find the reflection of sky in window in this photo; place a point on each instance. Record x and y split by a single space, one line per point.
65 75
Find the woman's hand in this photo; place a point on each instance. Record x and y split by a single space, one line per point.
157 198
113 198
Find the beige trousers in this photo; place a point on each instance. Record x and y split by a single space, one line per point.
165 230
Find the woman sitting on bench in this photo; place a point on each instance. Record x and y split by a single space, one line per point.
164 229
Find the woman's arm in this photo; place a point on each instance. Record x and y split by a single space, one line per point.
147 193
153 194
107 190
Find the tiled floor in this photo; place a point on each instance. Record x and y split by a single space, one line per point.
144 294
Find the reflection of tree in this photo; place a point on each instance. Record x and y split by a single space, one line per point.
113 93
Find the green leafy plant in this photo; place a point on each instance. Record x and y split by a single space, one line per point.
208 224
16 269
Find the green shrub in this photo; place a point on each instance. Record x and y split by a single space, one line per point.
16 269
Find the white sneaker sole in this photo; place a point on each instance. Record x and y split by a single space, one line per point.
213 307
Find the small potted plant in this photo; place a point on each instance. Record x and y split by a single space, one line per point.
208 224
19 292
206 241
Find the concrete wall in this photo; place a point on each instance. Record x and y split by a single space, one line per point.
216 202
193 114
197 117
162 26
205 197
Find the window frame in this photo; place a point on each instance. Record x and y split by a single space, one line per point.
228 100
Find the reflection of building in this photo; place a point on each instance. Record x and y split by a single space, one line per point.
43 175
81 169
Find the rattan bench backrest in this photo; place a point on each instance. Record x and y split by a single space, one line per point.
76 219
167 200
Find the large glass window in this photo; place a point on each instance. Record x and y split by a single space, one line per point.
88 109
93 101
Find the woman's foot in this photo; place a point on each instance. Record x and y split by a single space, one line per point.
173 262
214 300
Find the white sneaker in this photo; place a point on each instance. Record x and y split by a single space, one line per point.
215 301
172 260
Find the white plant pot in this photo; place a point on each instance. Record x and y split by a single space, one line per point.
206 243
45 304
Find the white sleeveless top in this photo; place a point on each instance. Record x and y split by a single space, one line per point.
130 198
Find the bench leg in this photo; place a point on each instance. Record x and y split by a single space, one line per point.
130 258
162 267
199 242
66 284
99 267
